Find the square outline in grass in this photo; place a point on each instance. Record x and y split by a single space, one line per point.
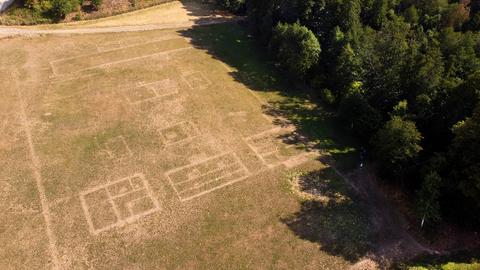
109 151
206 82
119 221
191 136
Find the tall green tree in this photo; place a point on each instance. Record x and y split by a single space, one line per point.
396 144
296 48
465 156
361 118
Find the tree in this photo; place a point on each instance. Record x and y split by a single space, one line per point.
360 117
402 72
428 198
384 55
465 156
297 48
400 110
261 18
411 15
380 13
347 71
397 143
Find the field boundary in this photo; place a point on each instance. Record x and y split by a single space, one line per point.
36 167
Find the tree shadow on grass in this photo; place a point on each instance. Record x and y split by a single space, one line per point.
206 13
330 215
251 65
339 228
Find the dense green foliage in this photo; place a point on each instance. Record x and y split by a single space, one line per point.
296 47
465 152
60 8
404 76
397 144
29 12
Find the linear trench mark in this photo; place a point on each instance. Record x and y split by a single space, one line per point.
38 180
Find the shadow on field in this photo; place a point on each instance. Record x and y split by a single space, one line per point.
205 12
231 44
332 217
339 227
346 228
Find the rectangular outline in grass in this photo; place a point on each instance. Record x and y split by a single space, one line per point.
207 81
195 134
182 199
262 156
109 151
120 222
167 52
155 92
111 50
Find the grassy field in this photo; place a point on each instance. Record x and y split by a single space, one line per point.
167 149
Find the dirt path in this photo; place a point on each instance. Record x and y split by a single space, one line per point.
166 16
393 240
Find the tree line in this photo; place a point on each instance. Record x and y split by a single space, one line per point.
404 77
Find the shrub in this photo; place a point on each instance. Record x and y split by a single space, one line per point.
60 8
327 96
96 3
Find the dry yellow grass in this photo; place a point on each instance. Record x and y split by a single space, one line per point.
142 151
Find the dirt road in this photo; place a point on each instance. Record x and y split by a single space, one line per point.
166 16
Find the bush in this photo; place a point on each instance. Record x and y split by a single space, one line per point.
96 3
60 8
